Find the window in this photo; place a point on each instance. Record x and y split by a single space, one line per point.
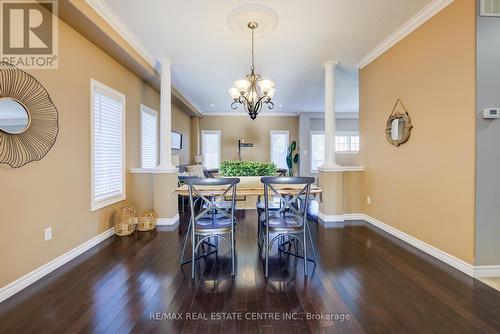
107 146
317 150
279 148
345 142
210 142
149 137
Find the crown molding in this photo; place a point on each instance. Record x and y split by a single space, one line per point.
116 23
434 7
101 8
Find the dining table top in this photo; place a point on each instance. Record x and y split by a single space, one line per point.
247 190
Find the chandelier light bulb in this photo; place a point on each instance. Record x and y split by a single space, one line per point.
271 92
242 86
265 86
234 92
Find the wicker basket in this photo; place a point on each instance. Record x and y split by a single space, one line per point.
147 221
125 219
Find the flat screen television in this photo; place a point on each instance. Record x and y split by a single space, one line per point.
176 141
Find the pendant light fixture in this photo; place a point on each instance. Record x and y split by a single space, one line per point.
245 91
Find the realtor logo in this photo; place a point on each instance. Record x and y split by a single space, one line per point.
29 33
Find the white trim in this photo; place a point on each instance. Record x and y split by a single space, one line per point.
94 206
121 28
335 63
434 7
103 10
168 221
346 153
423 246
30 278
341 169
153 170
278 132
486 271
240 113
354 216
218 132
473 271
147 110
332 220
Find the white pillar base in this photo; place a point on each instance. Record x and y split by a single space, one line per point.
326 219
172 221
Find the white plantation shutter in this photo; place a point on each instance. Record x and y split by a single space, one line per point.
211 142
149 137
279 148
108 146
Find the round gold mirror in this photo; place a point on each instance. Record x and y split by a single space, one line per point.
28 119
14 118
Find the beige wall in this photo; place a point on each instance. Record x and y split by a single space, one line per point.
425 187
256 132
56 190
181 122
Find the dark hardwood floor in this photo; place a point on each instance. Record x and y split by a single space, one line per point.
366 280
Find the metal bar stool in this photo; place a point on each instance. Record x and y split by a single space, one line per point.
273 205
290 221
212 220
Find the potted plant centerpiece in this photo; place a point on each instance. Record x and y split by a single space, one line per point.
249 173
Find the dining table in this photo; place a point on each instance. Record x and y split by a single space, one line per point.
247 190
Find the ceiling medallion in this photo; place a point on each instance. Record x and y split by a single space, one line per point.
245 91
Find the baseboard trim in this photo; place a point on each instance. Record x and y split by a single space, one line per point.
486 271
329 220
30 278
167 221
423 246
466 268
354 216
333 220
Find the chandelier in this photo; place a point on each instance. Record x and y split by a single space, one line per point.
245 91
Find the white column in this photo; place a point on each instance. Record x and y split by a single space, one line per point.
165 117
330 115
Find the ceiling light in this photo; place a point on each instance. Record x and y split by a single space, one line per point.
245 91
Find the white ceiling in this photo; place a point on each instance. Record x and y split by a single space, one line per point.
207 56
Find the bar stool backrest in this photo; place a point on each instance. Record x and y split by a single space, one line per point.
195 187
289 203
